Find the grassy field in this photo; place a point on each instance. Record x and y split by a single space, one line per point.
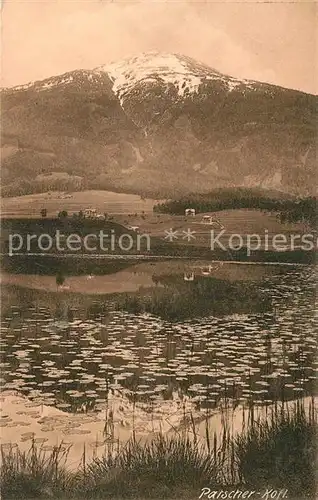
132 210
103 201
242 221
192 238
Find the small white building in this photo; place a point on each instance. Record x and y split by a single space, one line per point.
206 270
210 219
188 276
207 219
90 212
189 211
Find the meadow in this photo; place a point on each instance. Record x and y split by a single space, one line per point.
133 210
103 201
139 216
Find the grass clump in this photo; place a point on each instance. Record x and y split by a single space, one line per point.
33 474
277 453
158 469
281 452
165 467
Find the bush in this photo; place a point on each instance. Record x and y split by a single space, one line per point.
62 214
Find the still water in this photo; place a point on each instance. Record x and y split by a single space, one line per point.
169 332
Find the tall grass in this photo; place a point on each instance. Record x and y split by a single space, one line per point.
157 469
280 451
33 473
177 300
165 467
276 452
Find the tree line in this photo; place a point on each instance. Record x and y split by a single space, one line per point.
286 209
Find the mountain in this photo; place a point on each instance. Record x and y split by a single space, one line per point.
160 124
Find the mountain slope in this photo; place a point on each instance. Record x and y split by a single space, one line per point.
158 124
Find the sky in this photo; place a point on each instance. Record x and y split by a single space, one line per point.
273 41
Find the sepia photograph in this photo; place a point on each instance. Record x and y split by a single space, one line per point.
159 250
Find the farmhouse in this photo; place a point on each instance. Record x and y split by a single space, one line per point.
188 276
90 212
206 271
189 211
207 219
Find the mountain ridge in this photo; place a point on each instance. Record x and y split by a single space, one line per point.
114 63
160 123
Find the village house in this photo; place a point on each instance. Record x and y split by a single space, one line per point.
207 219
189 211
210 219
90 212
188 276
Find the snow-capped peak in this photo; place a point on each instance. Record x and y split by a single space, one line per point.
181 71
146 67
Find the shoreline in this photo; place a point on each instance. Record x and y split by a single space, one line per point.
51 427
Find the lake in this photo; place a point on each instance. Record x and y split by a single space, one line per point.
69 346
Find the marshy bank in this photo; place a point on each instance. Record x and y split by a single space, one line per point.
172 298
275 453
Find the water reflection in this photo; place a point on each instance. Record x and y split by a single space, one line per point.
247 339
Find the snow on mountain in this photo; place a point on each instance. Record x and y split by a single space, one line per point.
65 79
160 124
184 73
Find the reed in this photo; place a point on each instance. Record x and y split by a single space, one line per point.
34 473
278 451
